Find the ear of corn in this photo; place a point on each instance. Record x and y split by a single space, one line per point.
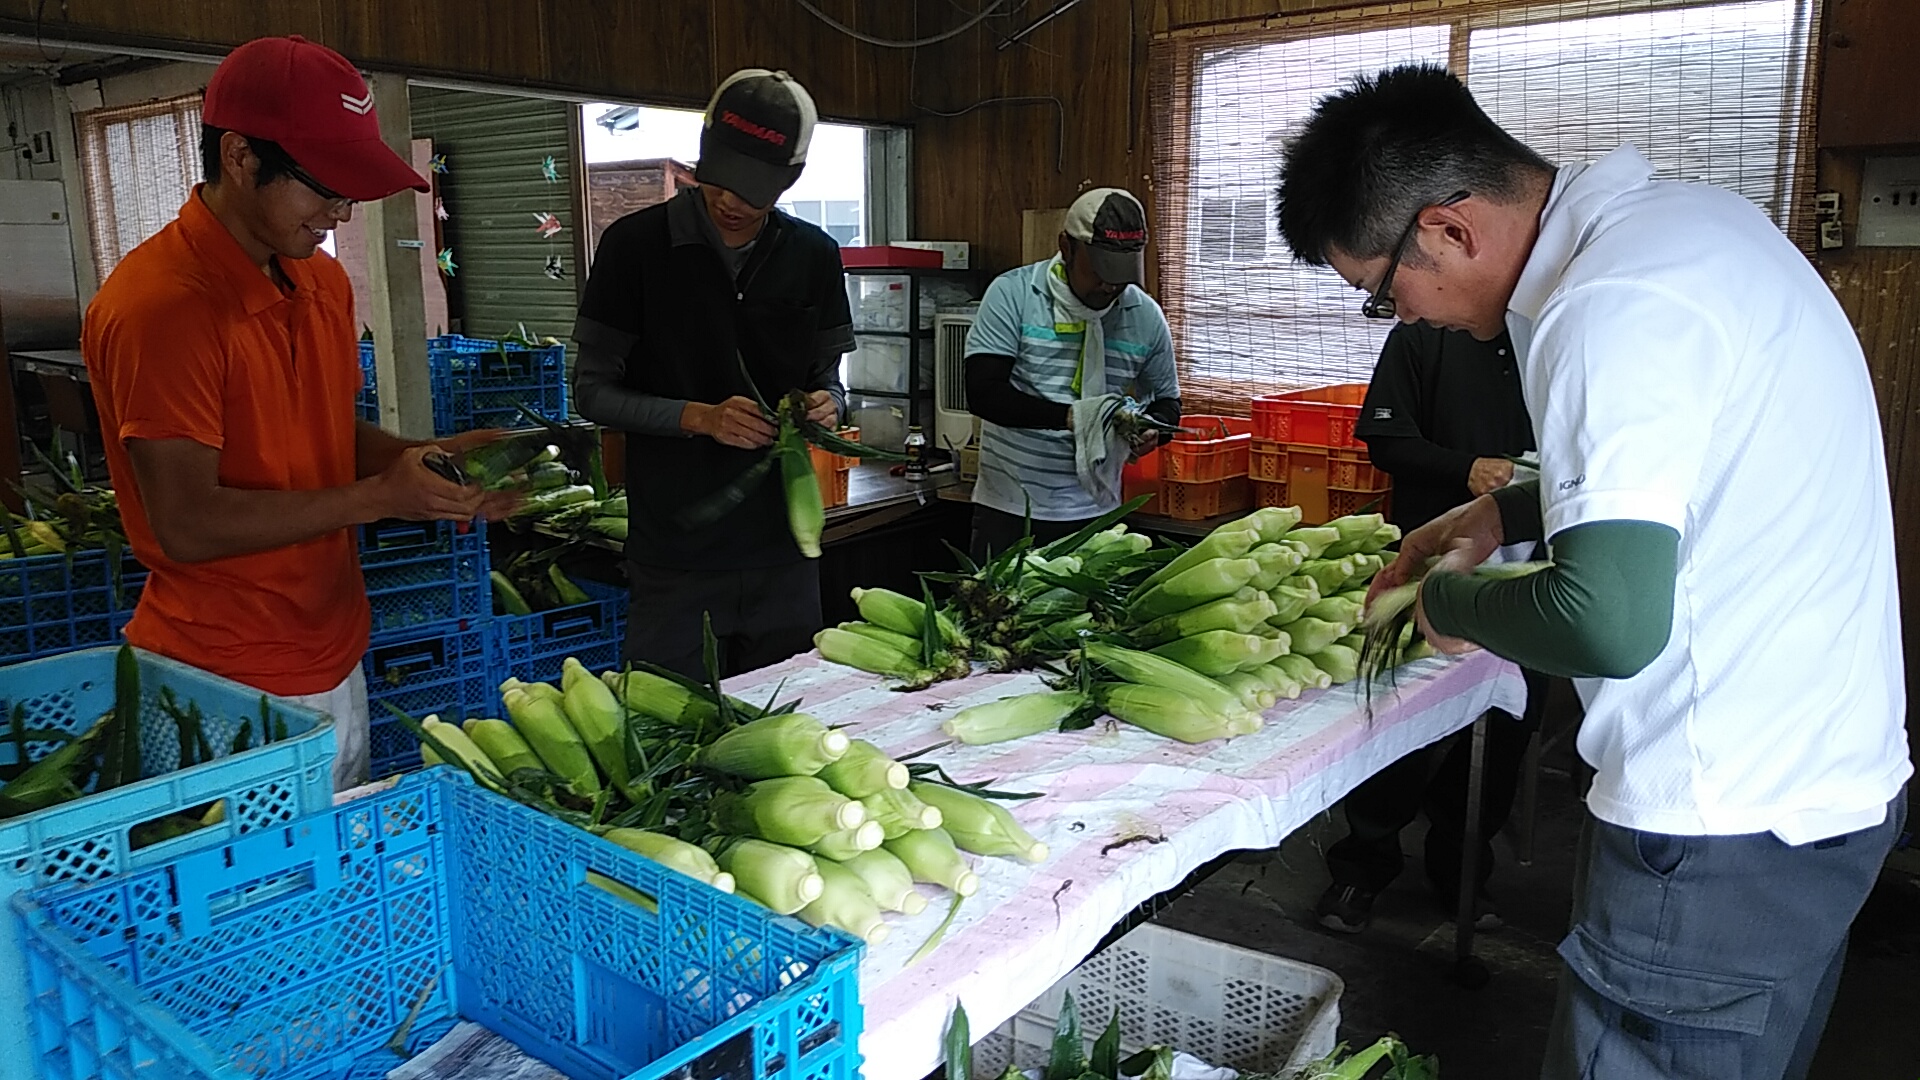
1291 599
1272 522
547 691
1310 635
1355 641
1242 613
1168 712
779 878
900 811
660 699
873 657
563 586
1210 580
1230 541
931 857
846 843
1340 663
508 597
1335 609
545 727
1277 562
1357 527
845 903
981 826
1364 567
503 746
1012 717
790 744
1252 689
676 855
1316 539
795 810
1304 671
1328 575
1145 668
908 645
1277 679
1222 652
904 615
806 513
598 719
863 770
888 881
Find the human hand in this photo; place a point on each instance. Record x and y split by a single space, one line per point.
736 422
1459 559
500 505
1489 474
822 409
409 490
1477 524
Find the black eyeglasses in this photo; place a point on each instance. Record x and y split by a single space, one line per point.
338 205
1380 305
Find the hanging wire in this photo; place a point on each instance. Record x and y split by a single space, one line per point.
1059 107
914 44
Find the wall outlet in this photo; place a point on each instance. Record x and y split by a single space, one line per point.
1890 202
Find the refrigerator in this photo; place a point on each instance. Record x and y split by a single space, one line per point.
39 303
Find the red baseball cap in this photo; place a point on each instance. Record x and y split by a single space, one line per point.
311 101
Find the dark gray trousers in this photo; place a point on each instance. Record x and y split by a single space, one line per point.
760 616
1708 957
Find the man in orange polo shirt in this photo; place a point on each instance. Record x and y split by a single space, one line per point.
224 362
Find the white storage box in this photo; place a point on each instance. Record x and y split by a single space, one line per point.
1222 1004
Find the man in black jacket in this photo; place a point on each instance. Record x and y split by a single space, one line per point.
693 308
1442 416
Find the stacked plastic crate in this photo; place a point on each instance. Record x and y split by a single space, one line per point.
478 383
1201 474
430 652
51 604
1304 453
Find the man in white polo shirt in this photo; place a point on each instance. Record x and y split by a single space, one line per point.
1714 494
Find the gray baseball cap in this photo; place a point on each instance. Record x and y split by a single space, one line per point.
754 140
1113 226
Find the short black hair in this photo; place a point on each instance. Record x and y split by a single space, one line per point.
1371 156
275 162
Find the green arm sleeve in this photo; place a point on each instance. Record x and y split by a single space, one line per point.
1604 610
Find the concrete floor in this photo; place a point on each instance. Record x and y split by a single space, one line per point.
1398 973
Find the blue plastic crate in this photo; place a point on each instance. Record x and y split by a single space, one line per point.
425 573
531 647
480 384
51 604
367 403
449 671
297 955
89 839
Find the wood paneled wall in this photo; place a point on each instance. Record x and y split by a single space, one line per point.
658 51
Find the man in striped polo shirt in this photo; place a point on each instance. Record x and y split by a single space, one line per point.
1073 327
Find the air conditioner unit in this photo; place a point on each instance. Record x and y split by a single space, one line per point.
953 425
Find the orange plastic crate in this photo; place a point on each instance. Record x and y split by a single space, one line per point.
1267 461
1341 503
1327 483
1270 493
1142 477
1216 449
1197 500
1323 416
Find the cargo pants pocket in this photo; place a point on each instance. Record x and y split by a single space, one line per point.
1636 1019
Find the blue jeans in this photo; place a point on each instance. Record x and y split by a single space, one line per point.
1709 957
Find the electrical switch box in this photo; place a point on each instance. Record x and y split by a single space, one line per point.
1890 202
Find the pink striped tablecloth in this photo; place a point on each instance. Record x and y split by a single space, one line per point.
1030 925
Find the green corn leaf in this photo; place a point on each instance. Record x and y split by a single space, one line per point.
959 1045
1106 1050
1105 521
1066 1060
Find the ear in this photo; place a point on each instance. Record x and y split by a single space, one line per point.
237 160
1454 227
1066 248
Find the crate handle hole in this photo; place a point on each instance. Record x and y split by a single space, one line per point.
565 624
620 890
173 824
236 902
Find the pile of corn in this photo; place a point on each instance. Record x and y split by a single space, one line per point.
1193 645
779 809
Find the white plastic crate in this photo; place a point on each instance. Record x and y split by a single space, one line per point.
1222 1004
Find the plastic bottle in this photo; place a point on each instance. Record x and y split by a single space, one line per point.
916 451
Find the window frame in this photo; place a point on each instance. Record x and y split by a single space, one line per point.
98 181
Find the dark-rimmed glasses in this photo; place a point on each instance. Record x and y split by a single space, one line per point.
1379 304
338 205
